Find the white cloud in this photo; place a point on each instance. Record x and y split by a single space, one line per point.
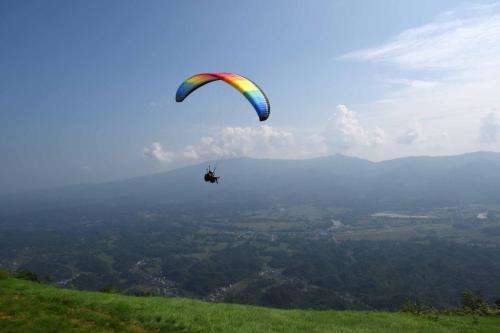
158 106
343 131
231 142
157 152
415 84
447 77
463 39
489 129
379 136
412 136
262 141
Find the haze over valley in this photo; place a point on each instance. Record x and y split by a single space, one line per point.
334 232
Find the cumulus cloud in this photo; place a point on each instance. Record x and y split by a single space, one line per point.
412 136
231 142
489 128
262 141
344 131
158 153
378 136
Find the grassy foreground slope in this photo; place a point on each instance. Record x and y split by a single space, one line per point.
32 307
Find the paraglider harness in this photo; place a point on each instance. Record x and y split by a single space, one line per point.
210 176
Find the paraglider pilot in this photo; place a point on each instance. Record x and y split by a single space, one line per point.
210 176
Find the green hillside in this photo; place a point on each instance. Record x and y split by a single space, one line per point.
33 307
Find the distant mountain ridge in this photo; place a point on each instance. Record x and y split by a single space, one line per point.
336 180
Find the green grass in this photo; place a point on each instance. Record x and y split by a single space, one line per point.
32 307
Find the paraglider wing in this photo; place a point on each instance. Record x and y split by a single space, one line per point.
249 89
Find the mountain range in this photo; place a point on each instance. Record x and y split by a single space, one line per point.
337 180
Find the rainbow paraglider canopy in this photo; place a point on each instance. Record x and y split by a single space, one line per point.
249 89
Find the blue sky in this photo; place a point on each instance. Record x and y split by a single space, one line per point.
86 88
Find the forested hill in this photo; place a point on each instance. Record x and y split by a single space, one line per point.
405 183
33 307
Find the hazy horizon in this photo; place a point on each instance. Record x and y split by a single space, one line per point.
220 162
